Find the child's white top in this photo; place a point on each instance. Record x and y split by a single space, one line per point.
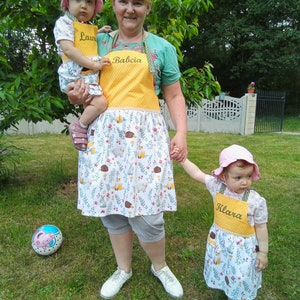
63 30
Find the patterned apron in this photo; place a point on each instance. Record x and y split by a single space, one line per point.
231 249
69 71
127 167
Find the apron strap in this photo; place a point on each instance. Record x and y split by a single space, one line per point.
245 196
72 17
223 188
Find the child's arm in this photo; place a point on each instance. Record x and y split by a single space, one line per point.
105 28
263 244
193 171
74 54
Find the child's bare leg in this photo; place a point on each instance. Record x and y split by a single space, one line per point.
97 106
78 128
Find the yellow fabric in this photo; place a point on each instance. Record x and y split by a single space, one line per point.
231 215
127 82
85 39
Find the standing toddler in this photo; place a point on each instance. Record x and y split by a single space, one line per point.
237 243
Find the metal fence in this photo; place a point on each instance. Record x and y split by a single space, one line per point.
269 111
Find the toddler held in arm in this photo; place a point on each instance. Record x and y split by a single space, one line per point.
237 243
76 42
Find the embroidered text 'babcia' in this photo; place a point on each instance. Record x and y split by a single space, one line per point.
128 59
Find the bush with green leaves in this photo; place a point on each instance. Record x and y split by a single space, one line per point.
28 59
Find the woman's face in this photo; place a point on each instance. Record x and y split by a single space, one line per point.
131 14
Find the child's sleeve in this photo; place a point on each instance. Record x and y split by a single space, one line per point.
212 185
261 211
63 30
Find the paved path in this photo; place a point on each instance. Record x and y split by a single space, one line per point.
289 133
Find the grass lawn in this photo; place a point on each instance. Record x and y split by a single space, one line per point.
44 192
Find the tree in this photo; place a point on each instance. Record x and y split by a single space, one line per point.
29 88
250 41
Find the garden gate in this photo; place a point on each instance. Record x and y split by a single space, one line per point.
269 111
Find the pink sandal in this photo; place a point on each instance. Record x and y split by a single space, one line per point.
78 135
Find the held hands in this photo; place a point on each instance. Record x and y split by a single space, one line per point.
178 151
261 261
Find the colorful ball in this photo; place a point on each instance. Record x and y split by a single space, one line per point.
46 240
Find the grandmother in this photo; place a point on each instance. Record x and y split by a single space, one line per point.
125 176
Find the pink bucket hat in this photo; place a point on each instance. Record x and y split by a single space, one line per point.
233 153
64 4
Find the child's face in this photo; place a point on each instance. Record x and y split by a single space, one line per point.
238 178
83 10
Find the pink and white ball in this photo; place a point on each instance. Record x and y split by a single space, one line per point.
46 240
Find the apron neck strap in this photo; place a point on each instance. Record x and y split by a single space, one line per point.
72 17
245 196
223 188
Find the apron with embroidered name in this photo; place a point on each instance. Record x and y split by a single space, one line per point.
85 39
127 168
69 71
231 249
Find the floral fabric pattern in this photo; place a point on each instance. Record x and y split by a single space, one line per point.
127 168
230 258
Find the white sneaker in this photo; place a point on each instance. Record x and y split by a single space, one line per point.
169 281
113 284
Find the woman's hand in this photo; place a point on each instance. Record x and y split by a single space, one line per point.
78 93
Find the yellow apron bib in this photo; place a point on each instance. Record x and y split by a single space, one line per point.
127 82
231 215
85 39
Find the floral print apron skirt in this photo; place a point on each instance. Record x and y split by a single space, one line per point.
127 168
231 250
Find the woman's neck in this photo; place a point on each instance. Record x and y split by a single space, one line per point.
131 37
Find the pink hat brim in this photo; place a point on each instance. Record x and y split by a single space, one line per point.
64 4
255 176
232 154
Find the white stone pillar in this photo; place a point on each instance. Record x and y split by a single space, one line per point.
250 113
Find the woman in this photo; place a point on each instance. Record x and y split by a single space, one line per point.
126 174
